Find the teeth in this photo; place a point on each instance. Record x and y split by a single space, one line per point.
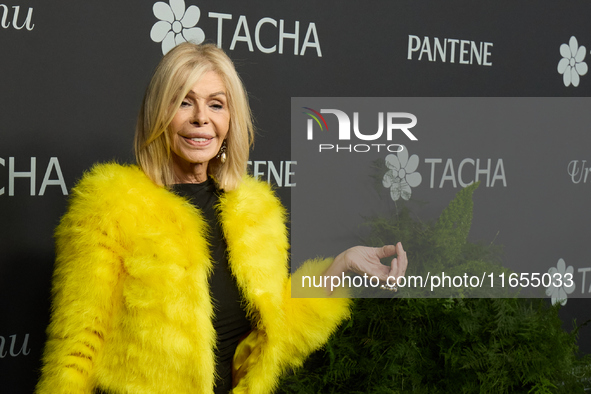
199 139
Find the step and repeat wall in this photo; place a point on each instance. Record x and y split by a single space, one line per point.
72 77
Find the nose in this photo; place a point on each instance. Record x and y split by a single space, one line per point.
200 116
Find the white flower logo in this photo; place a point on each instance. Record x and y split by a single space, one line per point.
175 25
572 66
401 175
559 294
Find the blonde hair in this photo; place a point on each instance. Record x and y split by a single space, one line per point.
175 75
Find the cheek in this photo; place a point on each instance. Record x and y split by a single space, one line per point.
174 127
225 125
175 123
172 139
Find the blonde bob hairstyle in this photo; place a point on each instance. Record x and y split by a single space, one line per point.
175 75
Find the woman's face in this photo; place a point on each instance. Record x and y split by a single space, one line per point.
199 126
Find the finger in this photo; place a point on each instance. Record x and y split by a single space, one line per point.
402 260
394 268
385 251
379 270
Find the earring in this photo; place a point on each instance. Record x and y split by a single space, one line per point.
222 153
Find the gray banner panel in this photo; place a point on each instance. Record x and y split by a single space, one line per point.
530 156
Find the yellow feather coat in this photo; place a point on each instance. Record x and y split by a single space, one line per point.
131 306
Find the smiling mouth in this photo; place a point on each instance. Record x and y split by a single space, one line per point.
198 142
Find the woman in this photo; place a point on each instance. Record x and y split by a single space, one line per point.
173 273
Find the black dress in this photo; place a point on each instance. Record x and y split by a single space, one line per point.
230 320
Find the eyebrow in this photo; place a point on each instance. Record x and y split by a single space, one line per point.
220 93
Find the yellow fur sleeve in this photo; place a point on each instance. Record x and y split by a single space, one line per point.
287 329
310 321
85 277
306 325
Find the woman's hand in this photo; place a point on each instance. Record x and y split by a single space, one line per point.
366 260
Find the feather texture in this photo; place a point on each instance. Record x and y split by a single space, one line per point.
131 308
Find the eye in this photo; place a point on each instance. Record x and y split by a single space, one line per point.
185 103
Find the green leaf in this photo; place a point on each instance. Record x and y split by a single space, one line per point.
452 227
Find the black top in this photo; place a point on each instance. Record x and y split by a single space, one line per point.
230 320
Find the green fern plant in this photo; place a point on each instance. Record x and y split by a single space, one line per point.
443 345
